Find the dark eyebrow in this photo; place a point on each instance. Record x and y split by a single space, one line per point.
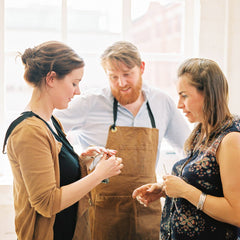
111 74
181 92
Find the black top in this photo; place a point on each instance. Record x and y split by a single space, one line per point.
65 221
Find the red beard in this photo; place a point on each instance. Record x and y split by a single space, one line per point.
130 97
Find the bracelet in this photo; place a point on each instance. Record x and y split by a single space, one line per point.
201 201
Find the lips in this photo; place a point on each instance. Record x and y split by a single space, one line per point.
186 113
125 89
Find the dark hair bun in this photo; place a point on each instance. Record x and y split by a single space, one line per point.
28 54
46 57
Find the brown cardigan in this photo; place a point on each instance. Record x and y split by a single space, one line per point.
33 154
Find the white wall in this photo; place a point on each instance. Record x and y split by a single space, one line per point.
213 32
233 49
1 62
7 231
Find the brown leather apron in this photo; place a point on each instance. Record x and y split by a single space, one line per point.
114 215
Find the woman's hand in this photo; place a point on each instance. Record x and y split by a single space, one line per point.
93 151
174 186
148 193
107 168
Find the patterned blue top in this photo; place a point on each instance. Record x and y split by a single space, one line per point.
180 219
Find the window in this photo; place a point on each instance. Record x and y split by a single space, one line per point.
155 26
157 29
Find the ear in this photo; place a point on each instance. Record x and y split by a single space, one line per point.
142 67
51 76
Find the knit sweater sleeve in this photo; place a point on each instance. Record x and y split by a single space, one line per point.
33 154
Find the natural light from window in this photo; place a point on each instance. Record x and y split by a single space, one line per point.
155 27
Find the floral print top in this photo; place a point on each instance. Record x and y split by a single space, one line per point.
180 219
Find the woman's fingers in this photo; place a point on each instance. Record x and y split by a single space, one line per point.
140 191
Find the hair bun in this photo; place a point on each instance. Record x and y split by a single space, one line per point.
28 54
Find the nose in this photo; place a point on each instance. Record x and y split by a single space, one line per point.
121 81
77 91
180 104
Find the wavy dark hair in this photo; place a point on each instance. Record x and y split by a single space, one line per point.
207 77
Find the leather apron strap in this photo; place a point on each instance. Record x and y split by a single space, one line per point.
115 109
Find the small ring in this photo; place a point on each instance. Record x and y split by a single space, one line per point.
114 129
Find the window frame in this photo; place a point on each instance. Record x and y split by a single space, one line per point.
188 46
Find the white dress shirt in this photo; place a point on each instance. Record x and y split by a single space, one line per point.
91 114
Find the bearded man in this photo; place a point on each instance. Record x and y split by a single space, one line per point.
132 118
